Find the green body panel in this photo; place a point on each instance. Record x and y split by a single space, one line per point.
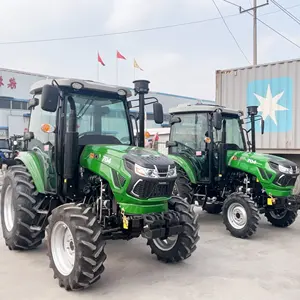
102 159
186 166
250 162
40 168
36 170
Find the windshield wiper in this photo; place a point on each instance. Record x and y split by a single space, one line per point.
85 108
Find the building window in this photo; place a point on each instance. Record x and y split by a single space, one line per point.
4 103
16 105
24 105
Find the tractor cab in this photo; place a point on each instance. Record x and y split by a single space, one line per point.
203 133
67 115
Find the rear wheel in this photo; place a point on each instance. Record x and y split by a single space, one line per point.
182 186
181 246
75 246
20 210
281 217
240 215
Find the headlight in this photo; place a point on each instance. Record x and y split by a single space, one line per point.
145 172
285 170
6 155
153 173
15 143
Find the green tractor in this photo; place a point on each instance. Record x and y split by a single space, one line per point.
218 168
83 179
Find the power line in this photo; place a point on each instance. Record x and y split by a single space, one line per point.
131 31
277 11
274 30
286 11
230 31
277 32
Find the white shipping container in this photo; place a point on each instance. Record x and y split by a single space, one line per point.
275 89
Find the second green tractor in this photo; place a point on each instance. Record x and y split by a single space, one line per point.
218 167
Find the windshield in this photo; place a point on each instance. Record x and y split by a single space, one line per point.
3 144
190 131
102 115
233 132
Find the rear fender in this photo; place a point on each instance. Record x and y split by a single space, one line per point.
32 163
186 166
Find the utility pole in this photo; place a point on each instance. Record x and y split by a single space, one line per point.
254 33
254 8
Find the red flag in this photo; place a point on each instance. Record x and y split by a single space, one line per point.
100 60
119 55
156 137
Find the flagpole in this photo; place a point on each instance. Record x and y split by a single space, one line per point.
117 70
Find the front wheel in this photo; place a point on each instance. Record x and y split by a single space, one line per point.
75 246
281 217
240 216
182 186
181 246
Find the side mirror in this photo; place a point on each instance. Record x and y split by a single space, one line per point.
28 136
49 99
158 113
174 120
171 144
217 120
33 103
262 124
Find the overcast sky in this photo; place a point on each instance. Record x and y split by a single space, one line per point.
180 60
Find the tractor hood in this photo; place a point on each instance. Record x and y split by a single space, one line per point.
114 155
240 158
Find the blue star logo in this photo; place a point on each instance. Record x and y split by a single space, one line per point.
274 99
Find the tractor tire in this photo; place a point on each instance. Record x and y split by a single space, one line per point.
285 219
213 209
183 187
75 246
179 247
20 210
240 216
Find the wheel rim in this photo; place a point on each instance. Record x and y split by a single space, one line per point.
63 248
237 216
9 211
166 244
278 214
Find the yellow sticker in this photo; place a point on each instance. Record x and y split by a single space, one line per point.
269 201
125 222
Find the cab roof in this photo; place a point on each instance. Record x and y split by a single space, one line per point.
198 107
36 88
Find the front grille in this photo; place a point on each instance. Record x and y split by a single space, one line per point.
285 180
147 189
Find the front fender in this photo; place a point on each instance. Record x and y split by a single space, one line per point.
186 166
32 163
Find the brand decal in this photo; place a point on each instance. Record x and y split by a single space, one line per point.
251 161
106 159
